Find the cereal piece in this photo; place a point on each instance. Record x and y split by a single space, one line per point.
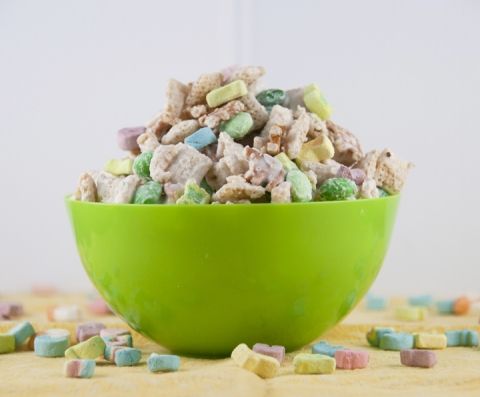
420 300
91 348
119 167
173 192
315 102
464 337
325 348
297 133
163 363
237 189
301 188
194 194
271 97
197 111
351 359
368 163
396 341
238 126
317 126
323 171
127 357
256 109
391 172
201 138
275 351
279 116
445 306
149 193
22 332
125 189
180 131
286 162
347 147
106 186
430 341
11 309
376 302
263 366
64 313
87 330
127 137
148 141
368 189
174 102
7 343
305 363
294 98
178 163
48 346
79 368
263 170
312 177
113 332
318 149
200 88
86 190
410 313
461 305
418 358
335 189
376 333
141 165
249 74
221 95
282 193
224 113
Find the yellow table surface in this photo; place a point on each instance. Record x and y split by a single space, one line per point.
457 372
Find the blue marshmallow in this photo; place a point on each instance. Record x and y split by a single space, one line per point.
163 362
326 348
22 332
50 346
201 138
420 300
376 302
445 307
464 337
396 341
127 356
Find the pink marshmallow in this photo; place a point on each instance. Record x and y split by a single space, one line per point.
275 351
351 359
127 137
99 307
87 330
418 358
10 309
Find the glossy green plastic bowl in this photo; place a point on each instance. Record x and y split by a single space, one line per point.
201 279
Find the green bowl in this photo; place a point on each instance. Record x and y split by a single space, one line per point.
199 280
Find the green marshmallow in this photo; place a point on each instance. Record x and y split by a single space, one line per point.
141 165
7 343
335 189
22 332
382 193
286 162
238 126
194 194
149 193
90 349
270 98
301 188
204 185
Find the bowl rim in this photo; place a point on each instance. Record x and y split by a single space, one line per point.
394 197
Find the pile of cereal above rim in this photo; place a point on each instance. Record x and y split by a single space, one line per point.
221 140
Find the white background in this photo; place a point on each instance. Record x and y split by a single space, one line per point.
403 74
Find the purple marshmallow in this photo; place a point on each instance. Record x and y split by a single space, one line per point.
275 351
355 174
10 309
418 358
127 137
87 330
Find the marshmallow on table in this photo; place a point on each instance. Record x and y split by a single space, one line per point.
263 366
418 358
420 300
326 348
7 343
306 363
87 330
430 341
79 368
10 309
163 362
410 313
50 346
445 306
464 337
126 356
396 341
275 351
351 359
120 340
376 333
22 332
90 349
99 306
64 313
113 332
376 302
461 305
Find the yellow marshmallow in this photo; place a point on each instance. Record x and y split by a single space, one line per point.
316 102
430 341
318 149
119 167
263 366
411 313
